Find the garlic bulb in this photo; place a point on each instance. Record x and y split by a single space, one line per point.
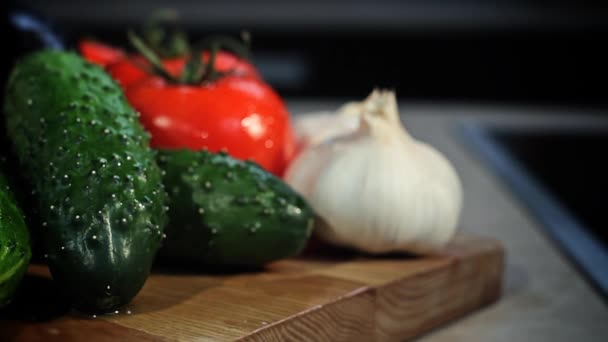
377 188
313 128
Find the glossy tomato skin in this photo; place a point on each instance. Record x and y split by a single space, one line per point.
130 71
239 114
99 53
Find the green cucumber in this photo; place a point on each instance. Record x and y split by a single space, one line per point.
228 212
97 187
15 252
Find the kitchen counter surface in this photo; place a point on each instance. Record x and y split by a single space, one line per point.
544 297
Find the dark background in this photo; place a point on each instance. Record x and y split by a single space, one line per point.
480 51
507 52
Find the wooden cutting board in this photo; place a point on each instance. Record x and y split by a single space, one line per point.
321 297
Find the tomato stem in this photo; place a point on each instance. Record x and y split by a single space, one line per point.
211 74
166 41
155 62
238 47
196 70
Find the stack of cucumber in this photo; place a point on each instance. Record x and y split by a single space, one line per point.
105 202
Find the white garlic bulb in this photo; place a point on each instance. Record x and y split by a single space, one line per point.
314 128
377 188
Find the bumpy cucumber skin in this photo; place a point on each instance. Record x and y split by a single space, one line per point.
229 212
15 251
98 188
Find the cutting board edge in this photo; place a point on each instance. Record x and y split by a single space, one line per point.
491 260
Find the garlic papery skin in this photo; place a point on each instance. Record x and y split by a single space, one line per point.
314 128
378 189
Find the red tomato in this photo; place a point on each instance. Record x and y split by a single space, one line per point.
99 53
239 114
129 71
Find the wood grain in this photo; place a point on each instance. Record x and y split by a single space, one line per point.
326 296
72 329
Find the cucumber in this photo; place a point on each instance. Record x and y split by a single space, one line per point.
97 187
15 252
228 212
